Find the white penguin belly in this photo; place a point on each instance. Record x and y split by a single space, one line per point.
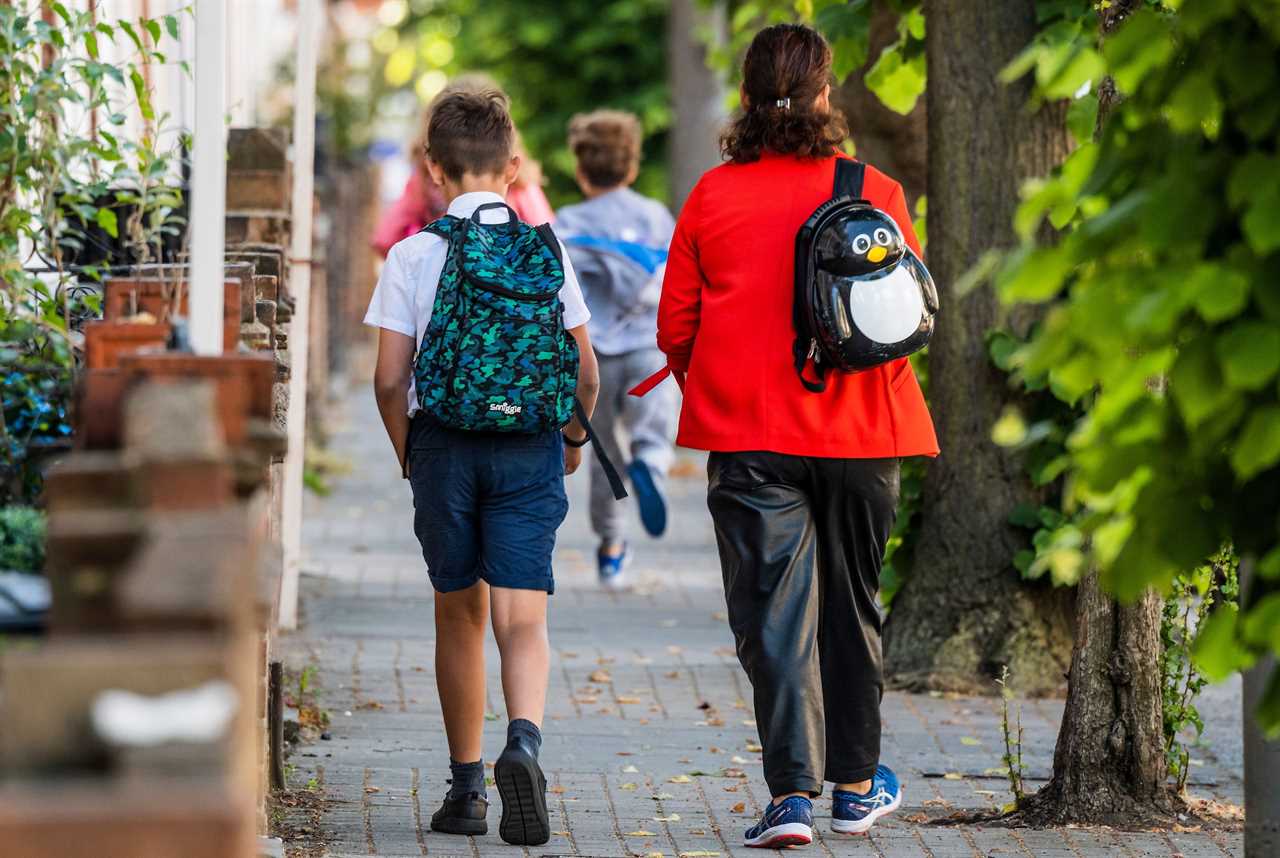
888 309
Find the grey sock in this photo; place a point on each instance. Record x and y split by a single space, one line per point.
527 731
467 778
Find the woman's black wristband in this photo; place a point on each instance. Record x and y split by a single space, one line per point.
569 442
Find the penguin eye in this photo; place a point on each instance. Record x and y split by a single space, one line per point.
861 244
882 236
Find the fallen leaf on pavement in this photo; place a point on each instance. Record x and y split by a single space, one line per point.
680 779
372 789
629 700
628 787
625 754
969 740
740 807
629 770
701 853
675 817
641 833
558 790
954 776
742 761
600 676
753 748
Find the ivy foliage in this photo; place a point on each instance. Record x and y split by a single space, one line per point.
1164 324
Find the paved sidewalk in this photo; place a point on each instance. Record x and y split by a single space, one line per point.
650 743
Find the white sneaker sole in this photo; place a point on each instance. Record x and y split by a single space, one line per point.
790 834
862 826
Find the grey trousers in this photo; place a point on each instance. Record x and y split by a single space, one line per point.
631 428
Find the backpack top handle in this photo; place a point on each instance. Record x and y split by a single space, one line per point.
512 220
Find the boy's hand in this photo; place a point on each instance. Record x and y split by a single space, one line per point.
572 459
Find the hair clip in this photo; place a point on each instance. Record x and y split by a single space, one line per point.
784 103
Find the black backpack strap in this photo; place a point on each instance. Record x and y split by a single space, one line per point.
610 472
549 236
849 175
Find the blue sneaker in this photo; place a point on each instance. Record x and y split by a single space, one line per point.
653 506
611 569
787 824
854 813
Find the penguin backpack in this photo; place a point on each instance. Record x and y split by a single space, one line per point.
862 297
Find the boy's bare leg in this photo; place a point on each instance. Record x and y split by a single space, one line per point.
520 626
460 628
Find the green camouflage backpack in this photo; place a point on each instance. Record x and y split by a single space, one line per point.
495 356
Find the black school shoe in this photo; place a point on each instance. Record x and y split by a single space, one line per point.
523 788
464 815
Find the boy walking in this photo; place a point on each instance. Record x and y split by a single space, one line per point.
480 443
618 240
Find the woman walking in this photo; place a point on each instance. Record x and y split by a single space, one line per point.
803 486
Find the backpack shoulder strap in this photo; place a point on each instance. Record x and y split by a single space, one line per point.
849 175
443 227
549 237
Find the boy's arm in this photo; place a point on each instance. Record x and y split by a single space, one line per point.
391 386
588 390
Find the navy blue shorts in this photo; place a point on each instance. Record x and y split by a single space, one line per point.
486 506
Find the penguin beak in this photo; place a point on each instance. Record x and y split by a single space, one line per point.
876 254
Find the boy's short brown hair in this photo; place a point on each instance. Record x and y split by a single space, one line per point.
471 132
607 146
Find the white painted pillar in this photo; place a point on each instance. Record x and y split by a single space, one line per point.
208 178
304 115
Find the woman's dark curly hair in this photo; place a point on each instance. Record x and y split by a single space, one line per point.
783 73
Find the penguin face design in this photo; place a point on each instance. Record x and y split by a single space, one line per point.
873 300
863 242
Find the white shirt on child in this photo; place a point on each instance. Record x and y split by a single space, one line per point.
406 289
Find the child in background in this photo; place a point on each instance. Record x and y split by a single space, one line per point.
618 241
486 504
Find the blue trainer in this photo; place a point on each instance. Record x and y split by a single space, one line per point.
787 824
854 813
653 506
611 568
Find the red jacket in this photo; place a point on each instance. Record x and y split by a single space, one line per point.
725 320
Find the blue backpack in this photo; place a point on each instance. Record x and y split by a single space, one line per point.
495 356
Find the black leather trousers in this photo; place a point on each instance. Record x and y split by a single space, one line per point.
801 543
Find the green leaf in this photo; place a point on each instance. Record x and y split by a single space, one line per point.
1082 117
1220 293
1216 651
153 28
1250 354
132 33
1261 626
1269 707
171 24
1039 277
106 219
1140 45
91 44
1261 222
1258 446
1197 385
1194 104
1010 430
897 82
140 92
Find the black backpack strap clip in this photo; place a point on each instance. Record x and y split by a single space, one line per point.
610 472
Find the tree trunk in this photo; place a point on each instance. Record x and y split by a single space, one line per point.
697 95
894 143
1109 765
964 611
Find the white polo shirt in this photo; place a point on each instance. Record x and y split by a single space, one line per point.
406 289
